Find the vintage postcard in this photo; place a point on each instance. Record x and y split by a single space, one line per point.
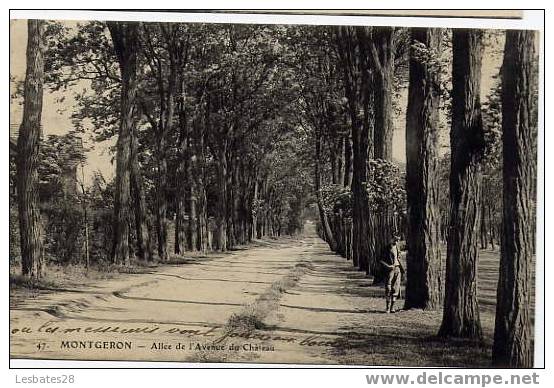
274 193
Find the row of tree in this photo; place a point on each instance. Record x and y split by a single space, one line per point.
203 115
478 171
227 133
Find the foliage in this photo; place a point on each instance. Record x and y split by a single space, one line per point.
59 158
385 186
81 61
63 231
492 122
100 200
290 182
335 198
343 204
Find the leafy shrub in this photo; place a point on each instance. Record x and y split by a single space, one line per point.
385 186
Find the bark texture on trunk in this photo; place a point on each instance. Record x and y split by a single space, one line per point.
328 233
424 264
347 161
512 335
125 41
193 196
352 45
221 215
142 229
461 307
180 236
28 144
201 201
381 51
161 201
365 152
383 62
254 228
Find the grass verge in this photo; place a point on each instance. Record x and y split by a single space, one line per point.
253 315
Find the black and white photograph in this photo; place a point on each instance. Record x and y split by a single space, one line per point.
275 193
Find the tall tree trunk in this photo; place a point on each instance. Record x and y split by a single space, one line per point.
164 128
461 307
242 213
28 144
329 238
491 227
347 161
144 241
125 41
221 214
334 168
353 57
185 232
180 233
180 237
201 203
84 207
181 176
87 238
340 160
424 264
512 335
161 199
232 194
383 62
367 257
381 51
256 209
193 217
483 229
366 246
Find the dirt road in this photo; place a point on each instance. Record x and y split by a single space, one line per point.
291 301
